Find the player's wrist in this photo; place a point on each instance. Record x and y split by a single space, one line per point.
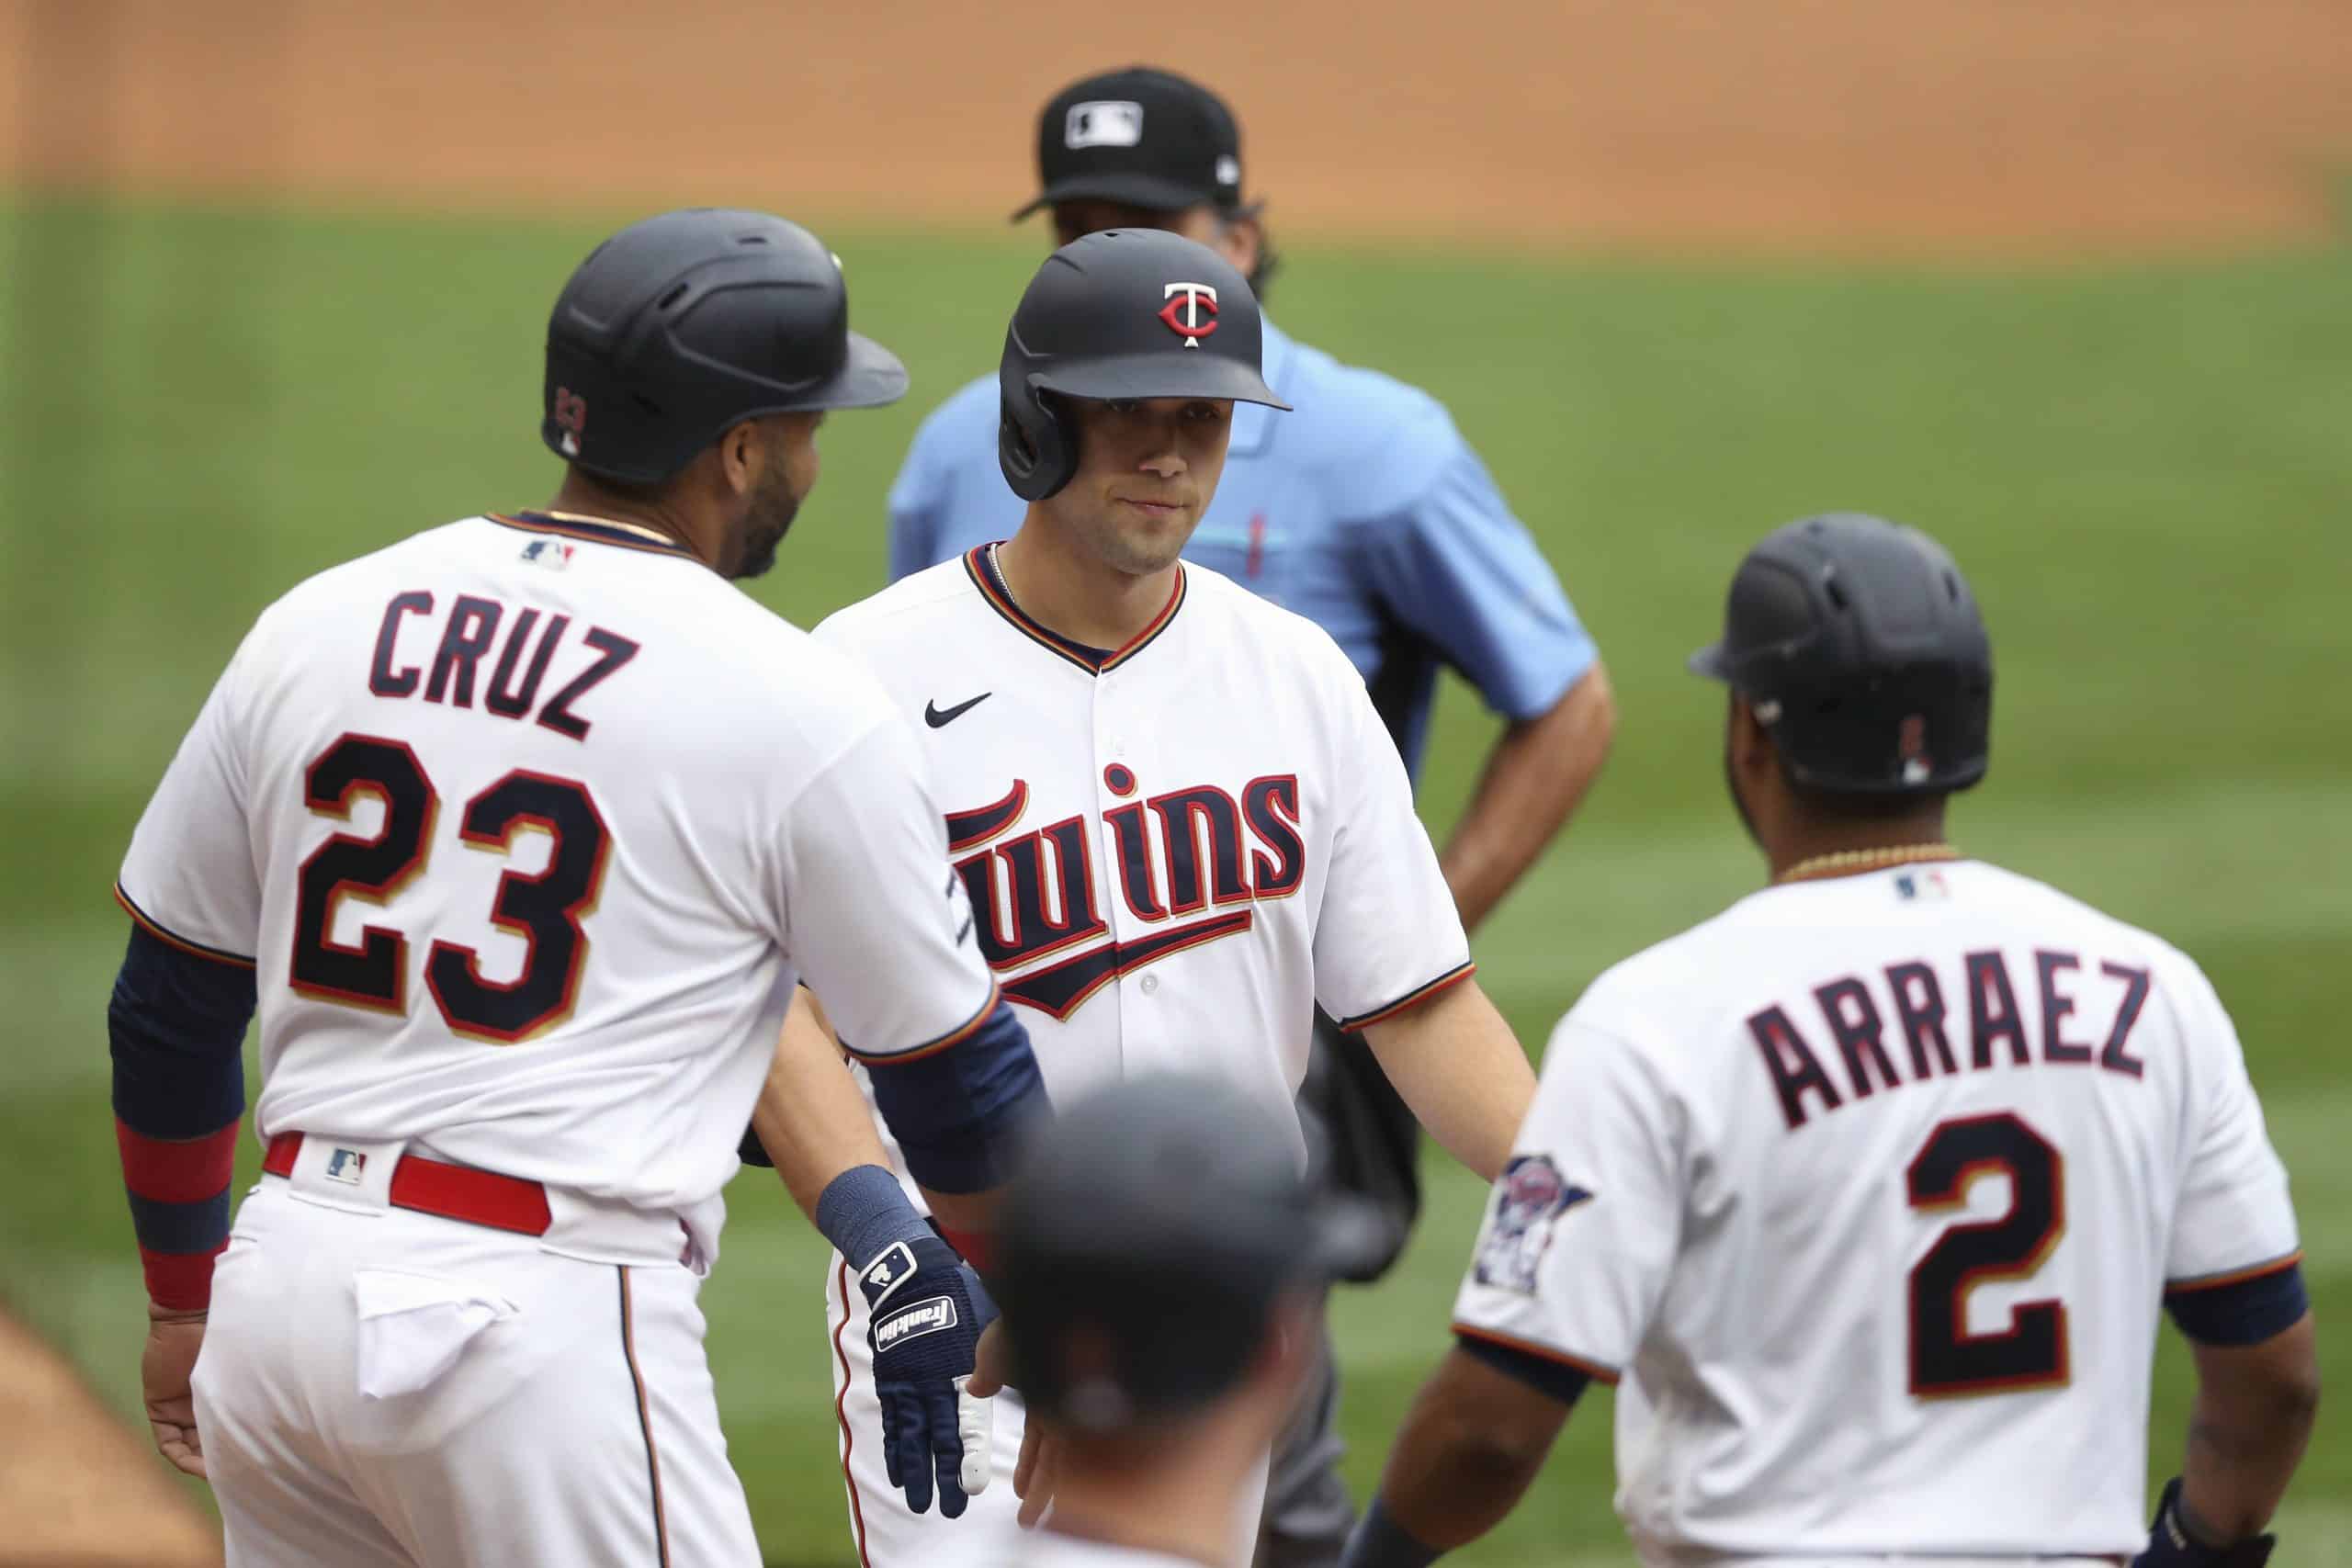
864 1211
2180 1539
1379 1541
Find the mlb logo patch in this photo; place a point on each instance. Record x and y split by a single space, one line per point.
346 1166
883 1277
553 554
1922 885
1105 122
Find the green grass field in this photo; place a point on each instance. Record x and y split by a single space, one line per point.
2145 471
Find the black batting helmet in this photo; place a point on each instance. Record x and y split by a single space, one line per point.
683 325
1123 313
1858 644
1145 1241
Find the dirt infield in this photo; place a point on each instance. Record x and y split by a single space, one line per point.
1951 126
78 1490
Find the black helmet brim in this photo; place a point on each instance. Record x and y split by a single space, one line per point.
1161 375
870 377
1709 662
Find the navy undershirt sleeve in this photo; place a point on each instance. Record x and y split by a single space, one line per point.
177 1028
957 1112
1563 1384
2247 1313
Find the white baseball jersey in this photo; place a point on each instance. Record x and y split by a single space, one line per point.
1174 850
527 825
1872 1186
1051 1549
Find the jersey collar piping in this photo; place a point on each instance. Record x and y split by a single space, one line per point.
594 533
1093 660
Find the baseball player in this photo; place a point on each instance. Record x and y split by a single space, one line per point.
1179 817
518 832
1869 1188
1366 512
1162 1327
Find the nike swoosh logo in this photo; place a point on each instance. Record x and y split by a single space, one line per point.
935 716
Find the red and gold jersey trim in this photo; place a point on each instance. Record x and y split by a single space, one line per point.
593 533
2233 1276
1410 999
172 939
948 1041
1094 661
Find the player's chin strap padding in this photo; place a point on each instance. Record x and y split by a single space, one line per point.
1036 447
2171 1545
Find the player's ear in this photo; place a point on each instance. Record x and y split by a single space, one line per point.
1241 240
1746 741
739 456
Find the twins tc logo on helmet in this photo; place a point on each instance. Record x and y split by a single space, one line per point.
1528 1198
1911 750
572 417
1185 311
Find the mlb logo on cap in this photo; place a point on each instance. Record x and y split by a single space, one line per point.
1104 123
346 1166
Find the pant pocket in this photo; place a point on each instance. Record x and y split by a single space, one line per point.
413 1327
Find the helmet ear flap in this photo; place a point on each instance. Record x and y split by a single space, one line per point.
1038 454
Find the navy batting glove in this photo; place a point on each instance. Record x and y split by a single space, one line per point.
2171 1545
921 1327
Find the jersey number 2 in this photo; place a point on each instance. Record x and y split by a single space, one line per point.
543 909
1947 1360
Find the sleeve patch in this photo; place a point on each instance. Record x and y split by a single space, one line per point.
1530 1197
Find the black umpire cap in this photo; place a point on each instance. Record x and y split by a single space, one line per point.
1139 137
1144 1243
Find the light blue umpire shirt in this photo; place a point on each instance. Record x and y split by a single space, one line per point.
1365 511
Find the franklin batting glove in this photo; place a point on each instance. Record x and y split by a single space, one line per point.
922 1328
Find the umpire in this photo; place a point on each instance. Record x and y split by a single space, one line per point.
1160 1261
1366 512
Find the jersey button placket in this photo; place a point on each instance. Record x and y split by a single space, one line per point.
1114 786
